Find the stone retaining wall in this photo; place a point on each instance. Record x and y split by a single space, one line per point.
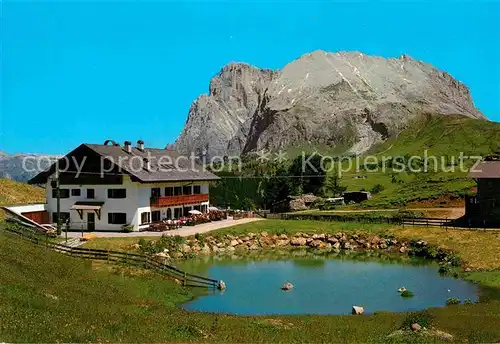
234 244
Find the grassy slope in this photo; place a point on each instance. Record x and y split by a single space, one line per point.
97 303
101 303
441 136
12 192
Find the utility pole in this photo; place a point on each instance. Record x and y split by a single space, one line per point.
58 202
301 190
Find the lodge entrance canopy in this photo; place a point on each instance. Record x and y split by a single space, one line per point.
80 206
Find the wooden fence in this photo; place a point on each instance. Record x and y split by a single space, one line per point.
403 221
131 259
428 222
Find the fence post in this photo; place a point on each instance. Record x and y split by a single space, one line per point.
184 282
107 257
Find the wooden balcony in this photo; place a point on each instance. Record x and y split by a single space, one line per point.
171 201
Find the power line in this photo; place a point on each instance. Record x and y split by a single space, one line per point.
221 177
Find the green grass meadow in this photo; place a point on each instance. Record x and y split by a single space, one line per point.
49 297
444 137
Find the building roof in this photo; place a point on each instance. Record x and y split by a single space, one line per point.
487 169
165 164
146 165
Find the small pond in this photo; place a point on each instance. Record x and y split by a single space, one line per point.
324 284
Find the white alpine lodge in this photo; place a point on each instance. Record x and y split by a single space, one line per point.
105 187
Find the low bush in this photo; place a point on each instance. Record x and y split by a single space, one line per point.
452 301
171 243
453 259
405 214
407 293
377 188
200 238
127 228
444 270
327 206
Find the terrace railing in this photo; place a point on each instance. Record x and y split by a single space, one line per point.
169 201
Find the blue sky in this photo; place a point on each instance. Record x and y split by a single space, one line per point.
76 72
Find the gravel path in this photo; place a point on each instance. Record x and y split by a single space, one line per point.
184 231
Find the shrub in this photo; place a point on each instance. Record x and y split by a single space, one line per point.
127 228
409 214
318 203
444 270
377 188
149 247
171 243
387 235
393 179
452 301
407 293
200 238
327 206
423 318
433 252
453 259
468 301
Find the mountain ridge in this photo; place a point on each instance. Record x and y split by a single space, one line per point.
17 167
345 98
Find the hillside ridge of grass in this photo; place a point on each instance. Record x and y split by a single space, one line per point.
444 137
13 193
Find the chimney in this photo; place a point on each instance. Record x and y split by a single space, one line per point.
140 145
146 164
127 146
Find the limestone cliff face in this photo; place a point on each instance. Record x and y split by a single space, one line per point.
344 99
217 123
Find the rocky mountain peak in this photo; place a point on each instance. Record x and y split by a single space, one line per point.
346 98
